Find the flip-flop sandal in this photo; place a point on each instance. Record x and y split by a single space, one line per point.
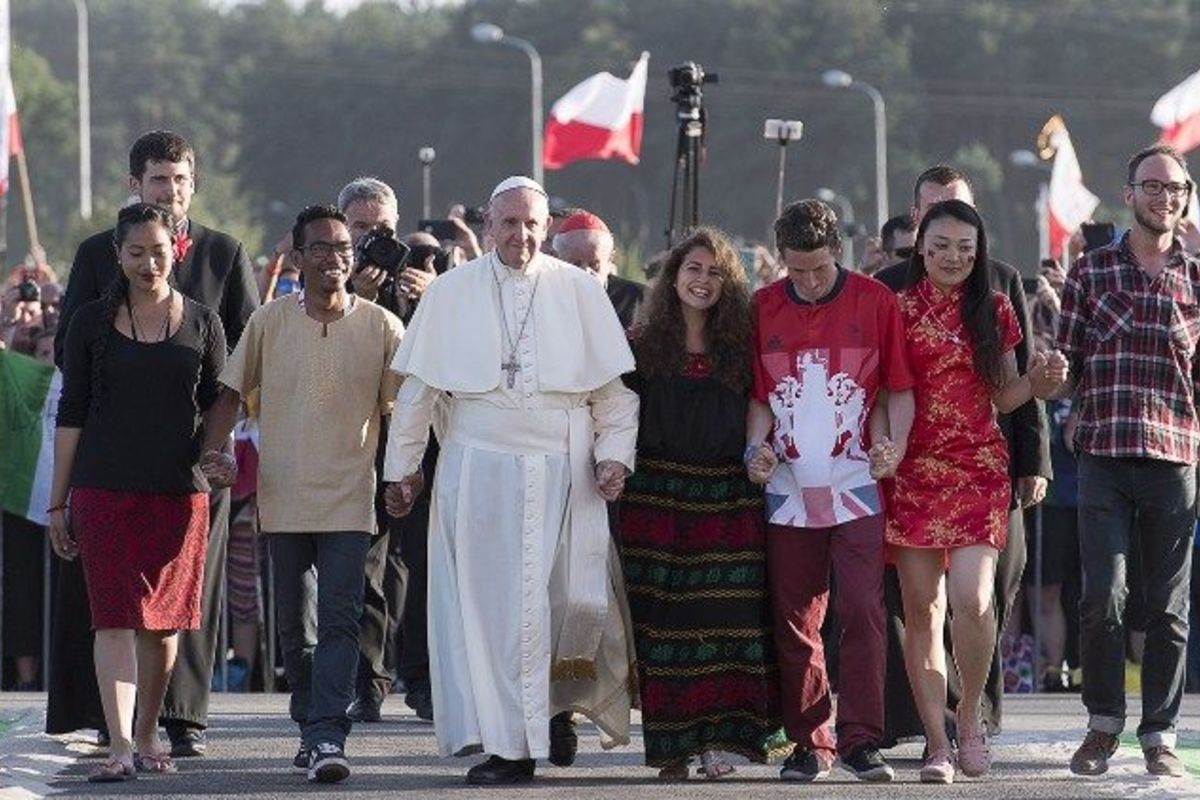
713 765
113 771
154 762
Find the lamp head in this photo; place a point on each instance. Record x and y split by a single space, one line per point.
486 32
836 78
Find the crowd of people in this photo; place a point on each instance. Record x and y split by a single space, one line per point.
525 489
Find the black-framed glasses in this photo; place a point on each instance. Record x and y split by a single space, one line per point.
903 252
1153 188
344 250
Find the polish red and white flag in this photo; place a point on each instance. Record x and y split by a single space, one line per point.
1070 202
601 117
1178 114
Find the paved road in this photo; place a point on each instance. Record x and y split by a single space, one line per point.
252 742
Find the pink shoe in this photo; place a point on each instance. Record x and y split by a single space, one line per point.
974 757
938 768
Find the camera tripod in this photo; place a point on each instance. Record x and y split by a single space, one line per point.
686 81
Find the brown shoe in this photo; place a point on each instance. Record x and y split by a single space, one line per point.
1162 761
1092 756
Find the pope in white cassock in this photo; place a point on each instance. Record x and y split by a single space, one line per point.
520 354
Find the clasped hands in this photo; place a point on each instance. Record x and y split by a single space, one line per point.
219 468
1047 372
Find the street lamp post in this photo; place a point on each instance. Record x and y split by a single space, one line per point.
426 155
782 131
85 111
487 33
827 195
1029 159
838 79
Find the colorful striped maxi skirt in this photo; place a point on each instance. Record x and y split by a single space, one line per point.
693 552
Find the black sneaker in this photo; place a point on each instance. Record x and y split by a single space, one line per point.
804 765
327 763
867 764
300 761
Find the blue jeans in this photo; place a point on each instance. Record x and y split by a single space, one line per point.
319 599
1159 498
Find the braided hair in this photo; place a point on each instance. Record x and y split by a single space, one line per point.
117 292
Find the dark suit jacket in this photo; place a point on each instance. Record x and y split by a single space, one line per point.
626 296
1025 429
215 272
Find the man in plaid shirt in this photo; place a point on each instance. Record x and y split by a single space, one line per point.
1129 328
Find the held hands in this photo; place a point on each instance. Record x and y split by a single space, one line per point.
1047 372
610 479
760 462
1031 490
61 541
219 468
884 458
400 497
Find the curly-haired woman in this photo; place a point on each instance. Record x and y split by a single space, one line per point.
140 369
692 523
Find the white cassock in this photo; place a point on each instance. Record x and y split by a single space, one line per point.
527 609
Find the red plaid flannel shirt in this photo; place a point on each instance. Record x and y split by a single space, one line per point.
1132 344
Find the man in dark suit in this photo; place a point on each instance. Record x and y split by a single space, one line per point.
1026 432
583 239
213 269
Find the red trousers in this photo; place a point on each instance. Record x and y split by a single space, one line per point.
798 567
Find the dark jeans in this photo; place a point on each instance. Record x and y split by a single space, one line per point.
318 596
186 701
1159 498
799 561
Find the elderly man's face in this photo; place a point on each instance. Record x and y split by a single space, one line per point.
517 221
363 215
592 250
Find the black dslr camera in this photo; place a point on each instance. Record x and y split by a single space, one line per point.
380 248
686 82
28 291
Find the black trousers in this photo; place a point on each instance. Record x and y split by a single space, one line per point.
900 710
187 693
410 536
384 580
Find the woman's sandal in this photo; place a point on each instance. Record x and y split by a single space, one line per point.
713 765
674 772
113 771
154 762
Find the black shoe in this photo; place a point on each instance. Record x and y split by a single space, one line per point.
420 700
365 708
497 771
804 765
300 761
564 744
186 742
327 763
867 764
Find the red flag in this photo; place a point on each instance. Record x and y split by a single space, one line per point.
1178 114
600 117
1071 203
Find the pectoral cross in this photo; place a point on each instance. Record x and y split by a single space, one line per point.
512 368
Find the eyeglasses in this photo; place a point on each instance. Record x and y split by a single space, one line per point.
325 249
1154 188
903 252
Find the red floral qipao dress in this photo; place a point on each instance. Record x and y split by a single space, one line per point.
953 487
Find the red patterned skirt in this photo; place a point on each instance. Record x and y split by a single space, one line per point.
142 555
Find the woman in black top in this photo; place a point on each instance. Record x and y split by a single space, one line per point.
692 524
140 368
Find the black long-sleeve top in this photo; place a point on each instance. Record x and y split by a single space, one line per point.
145 432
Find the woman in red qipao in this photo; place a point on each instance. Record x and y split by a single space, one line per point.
948 503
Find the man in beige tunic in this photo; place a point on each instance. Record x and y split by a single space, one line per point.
521 355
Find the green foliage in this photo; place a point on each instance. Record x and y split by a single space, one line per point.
286 103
